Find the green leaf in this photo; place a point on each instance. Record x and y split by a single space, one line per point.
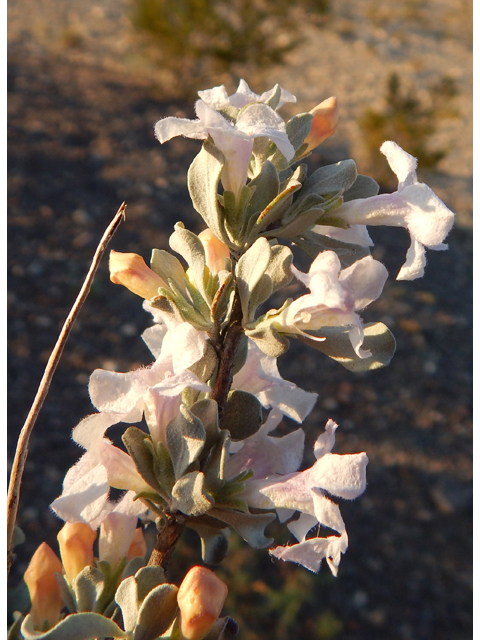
189 494
203 178
250 268
314 243
157 612
378 339
363 187
214 543
185 440
163 468
223 629
206 411
188 245
77 626
250 526
147 578
268 339
88 587
134 440
168 267
333 178
260 293
297 226
215 468
242 415
265 188
127 600
278 269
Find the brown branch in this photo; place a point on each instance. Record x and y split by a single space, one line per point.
168 535
227 353
21 451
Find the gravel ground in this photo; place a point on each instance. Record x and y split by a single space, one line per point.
81 142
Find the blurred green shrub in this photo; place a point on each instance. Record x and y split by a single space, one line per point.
409 121
198 40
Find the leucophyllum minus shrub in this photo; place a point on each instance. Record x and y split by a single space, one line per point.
199 446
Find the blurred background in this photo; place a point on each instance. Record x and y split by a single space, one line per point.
86 83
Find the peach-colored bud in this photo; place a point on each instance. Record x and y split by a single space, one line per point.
130 270
45 593
138 546
200 599
75 540
324 123
216 251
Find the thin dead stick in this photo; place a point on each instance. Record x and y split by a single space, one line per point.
22 444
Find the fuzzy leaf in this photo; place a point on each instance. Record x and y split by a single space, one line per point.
378 339
88 587
215 469
78 626
134 440
279 266
250 268
363 187
157 612
203 179
188 245
223 629
185 440
266 185
214 542
147 578
168 267
249 525
127 600
314 243
189 495
206 411
268 339
334 178
242 415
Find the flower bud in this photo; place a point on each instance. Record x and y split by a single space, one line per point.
76 540
138 546
216 251
45 593
324 123
130 270
200 599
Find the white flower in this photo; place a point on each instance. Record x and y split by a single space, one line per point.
217 98
155 390
306 491
260 376
266 455
413 206
335 297
235 141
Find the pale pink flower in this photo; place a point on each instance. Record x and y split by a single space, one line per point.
336 295
342 476
413 206
235 141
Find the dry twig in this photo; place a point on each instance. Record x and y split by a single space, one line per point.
21 450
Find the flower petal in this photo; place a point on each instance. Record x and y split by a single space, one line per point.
343 476
310 553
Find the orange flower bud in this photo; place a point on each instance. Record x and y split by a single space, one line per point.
45 593
200 599
138 547
130 270
216 251
75 540
324 123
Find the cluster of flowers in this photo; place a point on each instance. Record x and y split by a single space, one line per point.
211 400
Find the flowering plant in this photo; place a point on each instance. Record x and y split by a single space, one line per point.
200 449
